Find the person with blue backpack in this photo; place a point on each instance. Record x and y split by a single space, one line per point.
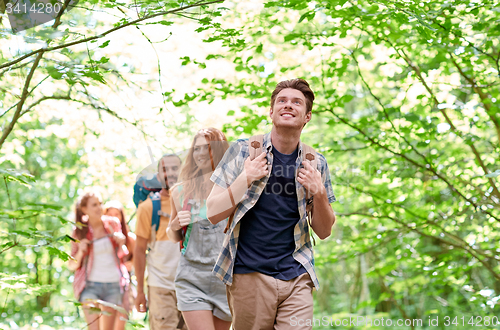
201 296
154 249
147 185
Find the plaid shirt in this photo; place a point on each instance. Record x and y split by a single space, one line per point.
229 168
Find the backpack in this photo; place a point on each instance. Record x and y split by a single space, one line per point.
255 144
155 214
145 187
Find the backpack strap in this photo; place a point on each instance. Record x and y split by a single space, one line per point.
187 206
309 154
155 214
255 145
255 148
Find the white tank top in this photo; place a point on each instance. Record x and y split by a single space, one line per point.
104 268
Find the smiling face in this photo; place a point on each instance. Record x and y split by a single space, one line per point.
289 109
201 153
168 170
93 208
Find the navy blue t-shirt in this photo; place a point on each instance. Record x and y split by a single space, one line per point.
266 241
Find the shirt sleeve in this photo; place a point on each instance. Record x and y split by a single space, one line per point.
230 166
325 176
143 225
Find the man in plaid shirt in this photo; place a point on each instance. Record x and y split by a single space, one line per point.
267 259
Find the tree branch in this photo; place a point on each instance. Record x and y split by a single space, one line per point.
41 50
482 96
425 220
416 69
425 168
418 73
62 97
385 112
20 104
9 247
15 68
466 247
57 21
470 44
101 108
31 91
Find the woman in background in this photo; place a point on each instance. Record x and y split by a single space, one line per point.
115 209
201 296
99 272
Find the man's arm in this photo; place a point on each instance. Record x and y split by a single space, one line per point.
323 216
222 202
140 266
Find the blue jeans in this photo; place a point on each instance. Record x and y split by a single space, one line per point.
109 292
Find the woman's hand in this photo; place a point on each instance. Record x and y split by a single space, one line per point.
83 246
75 262
119 238
182 219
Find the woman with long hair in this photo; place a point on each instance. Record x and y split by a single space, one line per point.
99 272
201 296
115 209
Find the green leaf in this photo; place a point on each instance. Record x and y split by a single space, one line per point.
47 206
304 16
185 60
166 23
23 233
54 73
105 44
13 175
412 117
61 254
214 56
95 75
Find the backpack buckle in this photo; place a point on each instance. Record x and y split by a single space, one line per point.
163 214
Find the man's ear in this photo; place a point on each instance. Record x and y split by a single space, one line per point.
271 112
308 116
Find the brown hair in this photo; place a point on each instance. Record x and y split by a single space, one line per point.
191 176
82 227
298 84
117 205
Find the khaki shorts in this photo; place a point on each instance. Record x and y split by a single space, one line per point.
163 313
258 301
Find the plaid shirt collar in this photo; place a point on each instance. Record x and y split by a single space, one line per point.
303 248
